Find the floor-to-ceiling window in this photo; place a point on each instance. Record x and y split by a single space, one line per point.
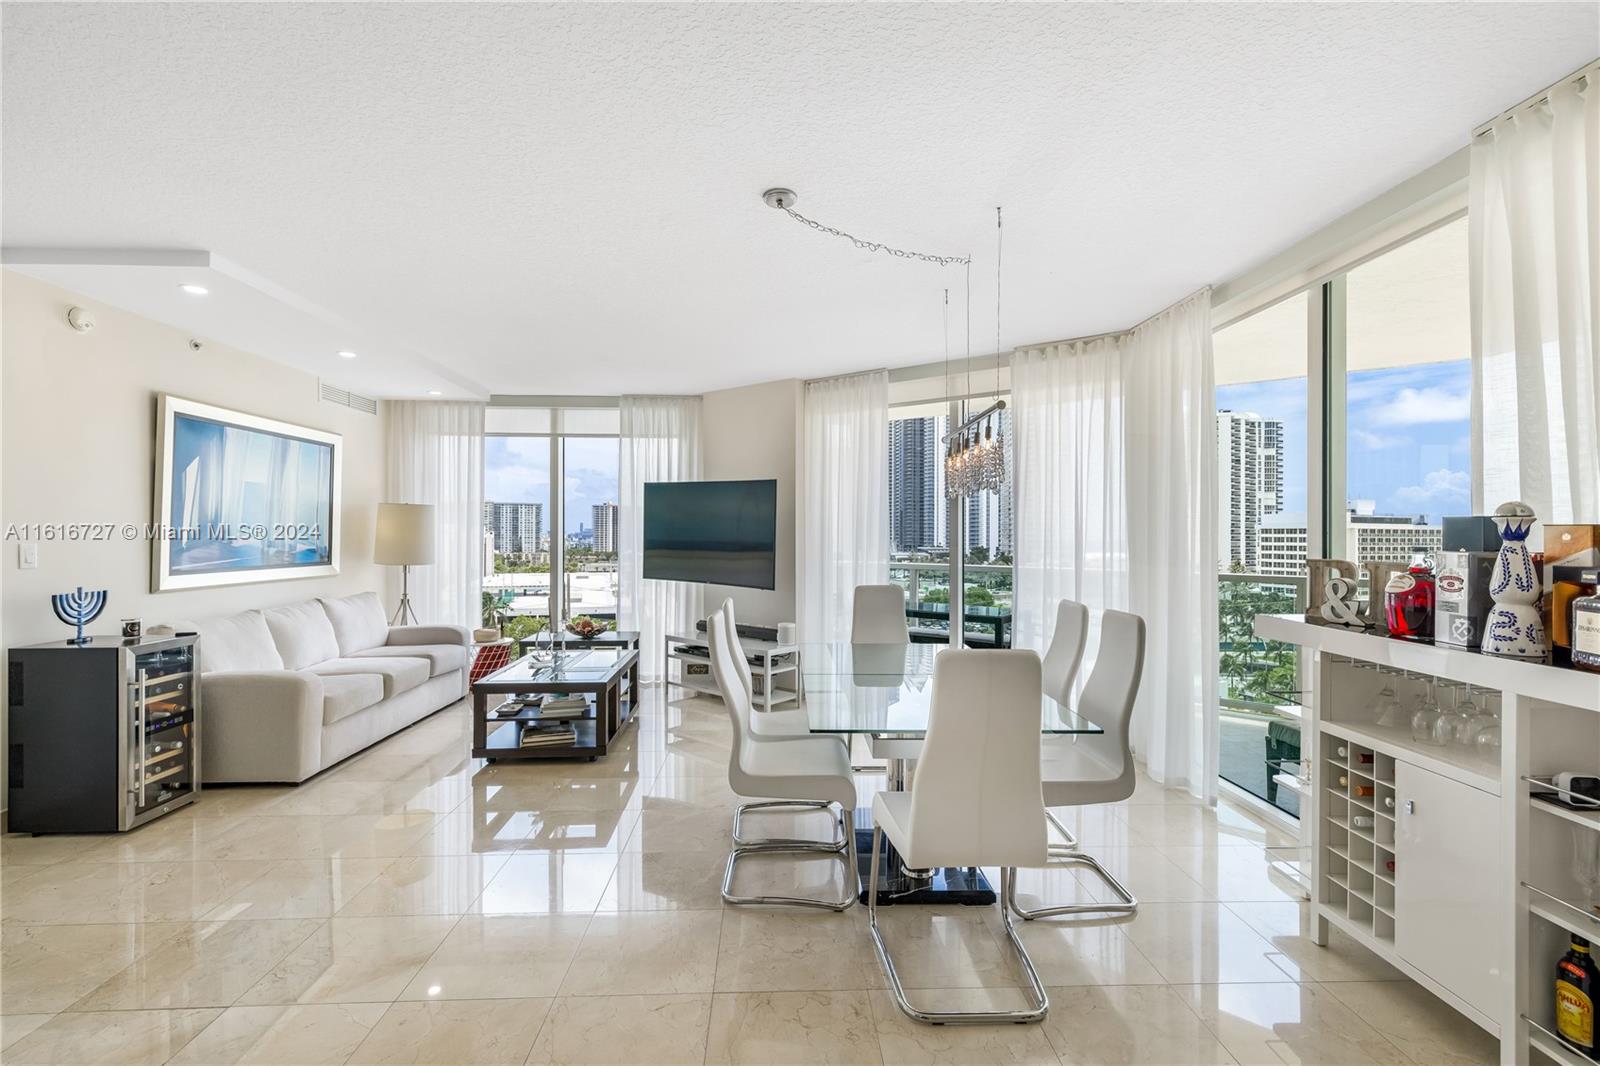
1342 432
550 517
1407 384
1263 433
920 516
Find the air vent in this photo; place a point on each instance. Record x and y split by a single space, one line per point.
345 398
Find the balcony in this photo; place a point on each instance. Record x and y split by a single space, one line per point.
1258 686
927 585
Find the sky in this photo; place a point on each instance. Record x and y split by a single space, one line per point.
1407 439
517 470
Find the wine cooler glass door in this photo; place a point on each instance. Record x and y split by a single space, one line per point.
162 748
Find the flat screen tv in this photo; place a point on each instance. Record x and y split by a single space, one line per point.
716 532
241 498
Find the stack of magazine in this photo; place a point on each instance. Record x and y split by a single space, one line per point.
548 735
562 706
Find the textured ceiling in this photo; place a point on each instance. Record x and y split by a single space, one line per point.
565 199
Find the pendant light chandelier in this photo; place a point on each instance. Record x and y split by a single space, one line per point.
975 450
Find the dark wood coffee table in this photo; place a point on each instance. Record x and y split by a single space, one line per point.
609 677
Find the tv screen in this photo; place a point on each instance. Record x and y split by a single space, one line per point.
718 532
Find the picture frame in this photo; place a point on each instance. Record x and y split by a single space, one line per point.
240 498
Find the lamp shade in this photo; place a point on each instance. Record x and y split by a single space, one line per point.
405 534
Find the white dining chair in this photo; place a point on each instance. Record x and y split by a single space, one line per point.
784 722
877 624
974 801
1090 768
878 615
801 772
767 725
1062 660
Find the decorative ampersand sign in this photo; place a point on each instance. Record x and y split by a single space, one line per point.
1339 607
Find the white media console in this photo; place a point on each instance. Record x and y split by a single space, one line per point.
1483 892
769 662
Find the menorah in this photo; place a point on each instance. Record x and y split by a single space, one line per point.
78 609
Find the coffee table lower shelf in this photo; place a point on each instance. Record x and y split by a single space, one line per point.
504 736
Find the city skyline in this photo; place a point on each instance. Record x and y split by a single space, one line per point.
517 470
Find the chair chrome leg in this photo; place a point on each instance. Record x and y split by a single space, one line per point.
1129 903
1067 835
847 854
787 843
1037 994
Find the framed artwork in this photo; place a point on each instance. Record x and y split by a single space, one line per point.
240 498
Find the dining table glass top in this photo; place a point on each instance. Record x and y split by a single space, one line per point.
887 688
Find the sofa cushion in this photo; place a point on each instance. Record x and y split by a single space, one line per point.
442 658
238 642
358 621
399 675
345 694
303 634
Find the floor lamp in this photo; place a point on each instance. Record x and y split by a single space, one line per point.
405 539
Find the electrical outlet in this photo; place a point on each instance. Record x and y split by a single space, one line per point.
27 556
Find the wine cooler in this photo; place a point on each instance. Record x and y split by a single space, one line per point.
104 736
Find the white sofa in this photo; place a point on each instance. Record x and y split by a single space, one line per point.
288 692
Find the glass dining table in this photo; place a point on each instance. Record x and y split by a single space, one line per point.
886 690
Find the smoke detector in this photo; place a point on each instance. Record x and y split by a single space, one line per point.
782 199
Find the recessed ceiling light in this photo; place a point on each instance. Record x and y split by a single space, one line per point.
347 355
435 392
194 290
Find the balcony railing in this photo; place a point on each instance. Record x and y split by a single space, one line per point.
927 582
1259 686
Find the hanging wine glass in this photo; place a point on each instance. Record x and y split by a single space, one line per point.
1424 716
1390 715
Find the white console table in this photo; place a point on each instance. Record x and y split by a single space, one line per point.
768 661
1482 896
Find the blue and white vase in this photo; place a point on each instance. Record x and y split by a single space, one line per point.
1514 627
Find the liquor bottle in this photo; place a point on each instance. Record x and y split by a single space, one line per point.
1585 628
1408 599
1575 983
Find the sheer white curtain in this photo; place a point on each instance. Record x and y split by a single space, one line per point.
845 536
1115 479
660 442
435 455
1534 215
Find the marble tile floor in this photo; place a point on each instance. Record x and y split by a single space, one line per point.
415 905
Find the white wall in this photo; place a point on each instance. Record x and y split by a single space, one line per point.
753 432
78 445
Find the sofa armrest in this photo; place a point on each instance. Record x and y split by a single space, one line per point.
261 725
402 636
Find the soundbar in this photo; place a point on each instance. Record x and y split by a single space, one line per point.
767 633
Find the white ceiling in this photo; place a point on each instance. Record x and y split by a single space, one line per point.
565 199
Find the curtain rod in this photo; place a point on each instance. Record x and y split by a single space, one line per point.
1584 73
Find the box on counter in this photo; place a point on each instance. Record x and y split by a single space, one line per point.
1461 597
1574 545
1470 533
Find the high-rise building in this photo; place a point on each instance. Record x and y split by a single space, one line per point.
605 527
1249 484
1368 538
518 528
917 516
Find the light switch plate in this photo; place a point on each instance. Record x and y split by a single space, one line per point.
27 556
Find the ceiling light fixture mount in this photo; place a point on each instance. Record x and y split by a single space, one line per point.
782 199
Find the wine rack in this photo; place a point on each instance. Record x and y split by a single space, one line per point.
1359 839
